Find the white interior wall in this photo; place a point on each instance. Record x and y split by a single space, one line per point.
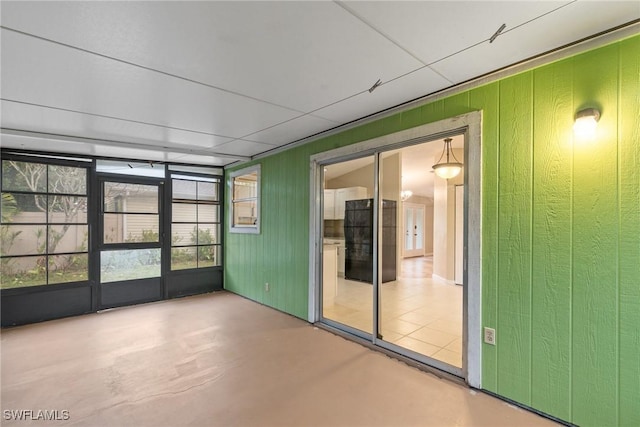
444 223
362 177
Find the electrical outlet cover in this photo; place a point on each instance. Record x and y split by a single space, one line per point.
490 336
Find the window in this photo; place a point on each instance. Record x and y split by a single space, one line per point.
129 264
44 231
245 200
195 222
130 247
131 213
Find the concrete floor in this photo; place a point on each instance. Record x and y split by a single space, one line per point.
222 360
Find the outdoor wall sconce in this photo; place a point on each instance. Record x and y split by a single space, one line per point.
447 169
586 123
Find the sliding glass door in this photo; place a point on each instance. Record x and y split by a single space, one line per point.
348 244
378 281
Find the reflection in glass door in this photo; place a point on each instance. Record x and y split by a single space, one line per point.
130 242
347 250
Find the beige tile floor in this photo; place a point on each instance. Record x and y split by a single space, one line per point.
417 312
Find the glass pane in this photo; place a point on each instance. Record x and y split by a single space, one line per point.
408 226
130 168
245 186
68 238
23 239
24 208
183 189
67 180
418 312
208 256
183 234
208 234
183 258
129 264
197 169
68 268
130 198
24 176
123 228
347 254
184 212
208 191
245 213
23 271
208 213
419 228
67 209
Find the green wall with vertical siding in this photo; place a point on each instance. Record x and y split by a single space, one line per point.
560 236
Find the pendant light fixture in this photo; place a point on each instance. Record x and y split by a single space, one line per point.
447 169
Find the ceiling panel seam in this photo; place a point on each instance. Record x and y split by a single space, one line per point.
310 113
144 67
104 116
380 32
429 65
394 42
114 143
426 65
537 17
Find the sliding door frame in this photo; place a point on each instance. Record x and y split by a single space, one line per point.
470 125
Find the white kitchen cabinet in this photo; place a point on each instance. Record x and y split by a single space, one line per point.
334 200
329 204
344 194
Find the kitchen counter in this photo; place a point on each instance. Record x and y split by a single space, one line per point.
333 241
340 248
329 273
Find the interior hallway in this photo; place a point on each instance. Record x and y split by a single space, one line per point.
219 359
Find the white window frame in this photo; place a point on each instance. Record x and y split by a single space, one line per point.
246 229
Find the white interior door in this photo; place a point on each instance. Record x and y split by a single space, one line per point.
413 235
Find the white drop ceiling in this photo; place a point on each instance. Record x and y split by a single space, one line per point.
216 82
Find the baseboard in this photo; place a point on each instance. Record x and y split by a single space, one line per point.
442 279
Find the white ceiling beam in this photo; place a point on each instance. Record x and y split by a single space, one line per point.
110 143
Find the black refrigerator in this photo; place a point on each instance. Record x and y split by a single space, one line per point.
358 235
